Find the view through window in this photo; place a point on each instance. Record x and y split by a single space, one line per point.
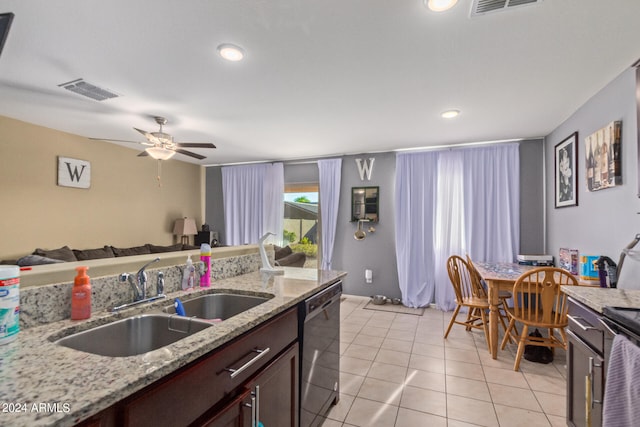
301 221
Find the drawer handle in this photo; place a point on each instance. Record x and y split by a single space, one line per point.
581 323
261 354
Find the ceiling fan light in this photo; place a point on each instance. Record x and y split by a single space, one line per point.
159 153
440 5
231 52
450 114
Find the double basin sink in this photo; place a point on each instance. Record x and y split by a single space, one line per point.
147 332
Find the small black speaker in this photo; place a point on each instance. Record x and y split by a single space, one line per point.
203 237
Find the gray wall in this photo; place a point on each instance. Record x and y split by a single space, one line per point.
214 205
377 250
531 197
604 221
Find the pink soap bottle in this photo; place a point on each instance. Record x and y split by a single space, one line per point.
205 257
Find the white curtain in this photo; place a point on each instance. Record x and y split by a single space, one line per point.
274 203
415 192
492 182
250 194
330 171
450 232
470 204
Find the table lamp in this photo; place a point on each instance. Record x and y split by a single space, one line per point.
185 227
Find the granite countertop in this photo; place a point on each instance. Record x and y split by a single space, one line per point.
597 298
47 384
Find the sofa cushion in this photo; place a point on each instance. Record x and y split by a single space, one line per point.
28 260
135 250
98 253
296 259
63 254
281 252
158 249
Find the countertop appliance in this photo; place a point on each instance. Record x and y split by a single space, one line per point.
319 354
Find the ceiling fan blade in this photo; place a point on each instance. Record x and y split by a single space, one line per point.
148 135
143 154
114 140
190 154
195 145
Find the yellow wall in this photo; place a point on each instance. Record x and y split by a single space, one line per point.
124 206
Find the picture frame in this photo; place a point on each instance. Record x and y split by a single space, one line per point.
566 172
603 157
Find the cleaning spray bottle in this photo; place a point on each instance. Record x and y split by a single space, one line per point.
205 257
81 295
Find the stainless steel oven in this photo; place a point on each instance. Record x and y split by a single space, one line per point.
320 354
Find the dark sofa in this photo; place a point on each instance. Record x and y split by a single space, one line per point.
285 257
66 254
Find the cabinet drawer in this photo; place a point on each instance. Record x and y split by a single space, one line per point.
584 323
194 389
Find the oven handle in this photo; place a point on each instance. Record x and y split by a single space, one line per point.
581 323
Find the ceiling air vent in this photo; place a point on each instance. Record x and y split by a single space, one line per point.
481 7
83 88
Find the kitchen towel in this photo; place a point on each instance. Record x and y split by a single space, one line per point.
622 388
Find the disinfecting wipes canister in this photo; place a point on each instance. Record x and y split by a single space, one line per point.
9 303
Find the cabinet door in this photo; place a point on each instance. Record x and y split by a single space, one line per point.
585 384
276 391
235 414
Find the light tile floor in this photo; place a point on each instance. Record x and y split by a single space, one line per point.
396 370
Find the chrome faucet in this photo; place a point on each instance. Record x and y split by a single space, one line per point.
139 284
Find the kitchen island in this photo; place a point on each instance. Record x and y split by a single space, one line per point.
47 384
590 336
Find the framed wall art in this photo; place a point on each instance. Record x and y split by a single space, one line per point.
604 157
566 172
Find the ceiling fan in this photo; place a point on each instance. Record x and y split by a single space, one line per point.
162 146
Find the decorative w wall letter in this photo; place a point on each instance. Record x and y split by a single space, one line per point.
365 167
74 173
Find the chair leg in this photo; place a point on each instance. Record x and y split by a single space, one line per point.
483 315
507 334
564 338
504 325
516 365
453 318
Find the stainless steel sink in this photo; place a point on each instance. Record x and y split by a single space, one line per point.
133 335
218 306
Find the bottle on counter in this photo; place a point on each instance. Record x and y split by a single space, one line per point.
205 257
81 295
189 275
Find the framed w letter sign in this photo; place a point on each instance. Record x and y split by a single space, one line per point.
74 173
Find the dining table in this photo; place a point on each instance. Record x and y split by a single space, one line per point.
498 276
501 276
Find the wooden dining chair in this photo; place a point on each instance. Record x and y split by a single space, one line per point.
503 296
540 303
466 296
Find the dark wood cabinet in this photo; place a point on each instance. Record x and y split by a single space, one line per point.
271 398
585 367
219 388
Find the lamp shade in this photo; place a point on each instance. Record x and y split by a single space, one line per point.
185 227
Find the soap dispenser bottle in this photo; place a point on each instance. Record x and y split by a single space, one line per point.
188 275
81 295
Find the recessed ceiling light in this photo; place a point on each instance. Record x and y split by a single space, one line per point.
440 5
450 114
231 52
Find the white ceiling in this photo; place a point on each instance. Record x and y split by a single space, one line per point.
320 77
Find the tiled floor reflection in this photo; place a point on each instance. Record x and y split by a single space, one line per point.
397 371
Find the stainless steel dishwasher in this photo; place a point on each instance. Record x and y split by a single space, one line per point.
319 354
